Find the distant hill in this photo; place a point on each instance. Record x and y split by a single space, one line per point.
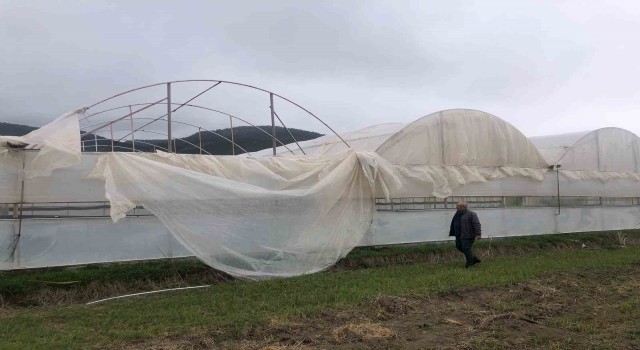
9 129
247 137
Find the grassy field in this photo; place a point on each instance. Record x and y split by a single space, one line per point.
235 309
59 286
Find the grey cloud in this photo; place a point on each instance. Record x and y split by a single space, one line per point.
543 66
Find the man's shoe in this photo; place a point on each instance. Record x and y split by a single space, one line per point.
475 262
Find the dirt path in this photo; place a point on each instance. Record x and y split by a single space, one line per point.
594 310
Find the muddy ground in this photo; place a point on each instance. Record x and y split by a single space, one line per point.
591 310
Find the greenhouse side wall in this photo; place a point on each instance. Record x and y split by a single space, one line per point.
66 217
432 226
77 241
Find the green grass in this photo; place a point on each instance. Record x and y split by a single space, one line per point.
535 242
22 282
229 307
17 285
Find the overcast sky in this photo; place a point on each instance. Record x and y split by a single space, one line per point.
547 67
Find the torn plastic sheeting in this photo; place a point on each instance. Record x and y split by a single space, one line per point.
301 220
441 180
59 143
602 176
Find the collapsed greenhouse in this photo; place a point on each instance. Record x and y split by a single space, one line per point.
260 215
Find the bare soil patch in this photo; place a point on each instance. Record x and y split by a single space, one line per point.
591 310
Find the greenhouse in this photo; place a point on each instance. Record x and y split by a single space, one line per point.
606 150
261 216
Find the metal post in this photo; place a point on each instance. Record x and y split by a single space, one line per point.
289 132
15 247
169 117
200 139
273 124
111 126
233 143
558 182
95 141
133 139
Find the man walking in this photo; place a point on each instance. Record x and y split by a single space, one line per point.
465 226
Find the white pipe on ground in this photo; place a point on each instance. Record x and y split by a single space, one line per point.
144 293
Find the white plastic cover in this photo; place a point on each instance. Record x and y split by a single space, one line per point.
283 216
553 147
253 218
10 170
442 180
605 150
461 137
58 143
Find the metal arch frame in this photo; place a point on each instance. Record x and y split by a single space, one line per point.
131 113
151 144
195 126
129 148
213 132
123 147
216 83
149 104
224 113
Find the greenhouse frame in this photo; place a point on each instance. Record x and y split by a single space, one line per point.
585 181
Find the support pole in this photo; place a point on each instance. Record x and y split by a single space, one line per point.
288 131
558 184
200 139
133 139
15 245
95 141
24 162
169 118
233 142
273 123
111 126
175 109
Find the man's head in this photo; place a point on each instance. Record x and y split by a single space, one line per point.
461 206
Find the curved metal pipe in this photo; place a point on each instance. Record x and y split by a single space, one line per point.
201 128
225 82
129 148
178 122
128 115
288 131
199 107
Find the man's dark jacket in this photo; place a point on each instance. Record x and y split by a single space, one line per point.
469 226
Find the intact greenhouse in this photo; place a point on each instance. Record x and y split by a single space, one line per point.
297 208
